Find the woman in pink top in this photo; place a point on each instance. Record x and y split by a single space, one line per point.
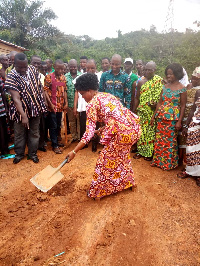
113 170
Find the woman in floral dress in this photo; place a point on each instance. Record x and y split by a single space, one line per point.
169 113
113 170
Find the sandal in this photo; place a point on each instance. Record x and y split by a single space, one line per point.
198 181
183 175
137 156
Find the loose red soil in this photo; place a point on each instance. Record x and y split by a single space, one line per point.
156 224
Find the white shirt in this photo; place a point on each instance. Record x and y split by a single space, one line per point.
184 80
81 102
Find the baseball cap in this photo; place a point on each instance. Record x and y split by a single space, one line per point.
128 60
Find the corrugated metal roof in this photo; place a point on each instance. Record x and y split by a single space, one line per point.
14 45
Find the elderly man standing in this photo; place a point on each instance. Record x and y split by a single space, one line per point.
147 97
26 106
36 61
70 77
117 82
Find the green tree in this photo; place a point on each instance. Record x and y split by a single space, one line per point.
26 21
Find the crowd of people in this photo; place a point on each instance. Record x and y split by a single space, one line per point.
156 118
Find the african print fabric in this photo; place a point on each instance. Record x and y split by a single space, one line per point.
113 170
118 85
149 94
190 100
56 87
30 90
166 146
193 144
71 88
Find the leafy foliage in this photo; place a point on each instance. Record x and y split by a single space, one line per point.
27 24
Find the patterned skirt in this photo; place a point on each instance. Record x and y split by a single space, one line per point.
145 144
166 146
193 150
113 171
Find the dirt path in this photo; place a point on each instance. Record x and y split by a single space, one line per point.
156 224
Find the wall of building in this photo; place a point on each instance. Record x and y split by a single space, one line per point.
6 49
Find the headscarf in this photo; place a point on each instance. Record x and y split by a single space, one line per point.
196 72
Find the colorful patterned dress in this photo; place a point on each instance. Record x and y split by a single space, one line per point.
149 93
166 147
193 144
113 170
190 100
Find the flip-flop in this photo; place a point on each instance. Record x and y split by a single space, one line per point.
11 146
183 175
137 156
8 156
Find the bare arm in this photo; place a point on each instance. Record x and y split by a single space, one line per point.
75 102
157 107
44 95
66 101
18 104
183 98
133 95
137 98
50 105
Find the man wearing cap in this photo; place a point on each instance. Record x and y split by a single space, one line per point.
116 82
128 66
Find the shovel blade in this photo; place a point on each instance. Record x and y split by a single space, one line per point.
46 178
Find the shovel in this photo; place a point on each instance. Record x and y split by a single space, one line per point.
48 177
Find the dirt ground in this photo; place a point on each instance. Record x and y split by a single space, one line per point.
156 224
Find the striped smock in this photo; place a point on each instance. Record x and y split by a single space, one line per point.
30 91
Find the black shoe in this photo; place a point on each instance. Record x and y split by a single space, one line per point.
35 159
42 149
16 160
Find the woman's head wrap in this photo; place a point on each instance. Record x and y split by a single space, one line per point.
196 72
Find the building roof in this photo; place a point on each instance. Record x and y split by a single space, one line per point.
14 45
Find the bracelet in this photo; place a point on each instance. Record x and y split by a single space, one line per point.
185 126
74 152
